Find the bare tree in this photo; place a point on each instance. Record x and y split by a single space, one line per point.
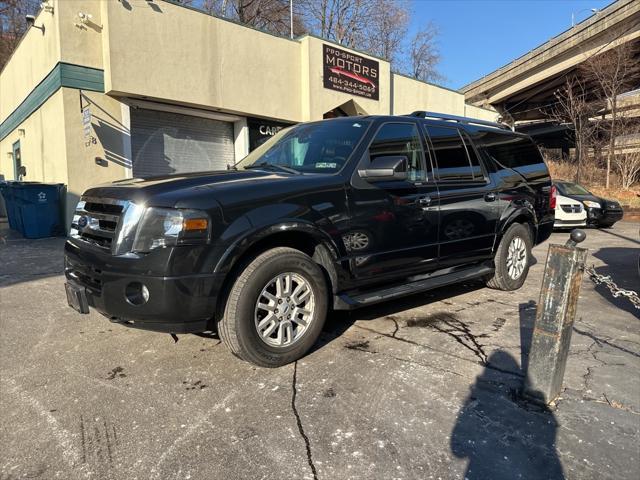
343 21
614 72
378 27
386 30
273 16
574 110
13 25
424 55
626 160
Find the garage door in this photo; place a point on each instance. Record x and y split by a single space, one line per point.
163 143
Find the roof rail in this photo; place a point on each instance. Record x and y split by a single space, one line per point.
456 118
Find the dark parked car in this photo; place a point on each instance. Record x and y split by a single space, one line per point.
600 211
338 214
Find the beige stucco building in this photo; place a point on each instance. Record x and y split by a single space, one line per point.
100 90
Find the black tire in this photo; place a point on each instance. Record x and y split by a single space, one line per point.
237 326
501 279
606 225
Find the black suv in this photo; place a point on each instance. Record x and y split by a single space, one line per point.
338 214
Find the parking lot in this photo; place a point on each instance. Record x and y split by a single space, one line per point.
420 388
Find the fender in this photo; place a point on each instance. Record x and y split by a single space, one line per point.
240 246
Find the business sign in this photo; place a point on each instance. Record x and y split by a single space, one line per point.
350 73
262 130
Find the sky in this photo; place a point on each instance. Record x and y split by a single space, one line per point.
479 36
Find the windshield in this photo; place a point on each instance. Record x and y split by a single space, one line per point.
572 189
321 147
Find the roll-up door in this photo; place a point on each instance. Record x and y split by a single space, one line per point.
163 143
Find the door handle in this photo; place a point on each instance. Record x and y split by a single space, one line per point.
490 197
424 201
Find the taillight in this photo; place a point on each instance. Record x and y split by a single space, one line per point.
552 197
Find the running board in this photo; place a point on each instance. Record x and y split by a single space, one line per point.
345 302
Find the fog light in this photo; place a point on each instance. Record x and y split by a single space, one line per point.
136 293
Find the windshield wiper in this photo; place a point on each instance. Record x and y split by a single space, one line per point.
274 166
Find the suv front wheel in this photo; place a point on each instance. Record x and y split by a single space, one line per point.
512 259
276 308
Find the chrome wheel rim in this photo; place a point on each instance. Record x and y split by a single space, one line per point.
284 310
516 258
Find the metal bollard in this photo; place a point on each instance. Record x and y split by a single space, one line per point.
554 319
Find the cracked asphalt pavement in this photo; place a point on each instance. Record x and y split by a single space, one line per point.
421 388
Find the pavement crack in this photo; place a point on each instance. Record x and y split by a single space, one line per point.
364 347
299 421
602 341
395 323
417 344
461 333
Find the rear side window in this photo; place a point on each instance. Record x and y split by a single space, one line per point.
455 157
508 150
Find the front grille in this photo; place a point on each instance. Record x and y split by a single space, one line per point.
95 221
574 208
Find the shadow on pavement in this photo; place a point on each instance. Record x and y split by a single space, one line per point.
25 260
339 322
501 435
622 267
527 313
610 232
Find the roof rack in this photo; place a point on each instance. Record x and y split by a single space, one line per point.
456 118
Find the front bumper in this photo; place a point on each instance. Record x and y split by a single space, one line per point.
597 216
176 304
565 223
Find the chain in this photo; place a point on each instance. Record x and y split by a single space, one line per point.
613 288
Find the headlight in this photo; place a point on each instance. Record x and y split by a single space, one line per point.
167 227
590 204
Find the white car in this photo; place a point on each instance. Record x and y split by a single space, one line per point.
569 213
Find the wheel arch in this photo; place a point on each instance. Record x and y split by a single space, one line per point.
298 235
523 216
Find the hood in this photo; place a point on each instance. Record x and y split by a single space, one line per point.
195 190
604 203
582 198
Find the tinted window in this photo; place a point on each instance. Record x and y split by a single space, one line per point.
400 139
321 147
473 157
508 150
451 154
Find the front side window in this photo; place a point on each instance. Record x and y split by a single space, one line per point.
322 147
451 155
403 139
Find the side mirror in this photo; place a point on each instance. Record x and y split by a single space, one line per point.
385 168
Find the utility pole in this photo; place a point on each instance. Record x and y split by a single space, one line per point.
291 17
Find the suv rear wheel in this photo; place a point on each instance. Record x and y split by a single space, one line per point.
512 259
276 308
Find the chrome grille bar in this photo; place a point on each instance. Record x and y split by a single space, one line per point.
96 221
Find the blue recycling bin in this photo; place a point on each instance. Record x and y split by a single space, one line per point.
39 206
13 214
